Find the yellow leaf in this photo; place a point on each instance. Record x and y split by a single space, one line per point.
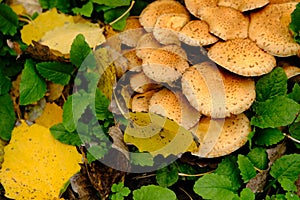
61 38
43 23
52 115
18 9
36 166
158 135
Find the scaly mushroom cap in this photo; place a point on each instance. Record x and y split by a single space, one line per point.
164 66
291 71
217 93
269 28
194 5
196 33
242 56
243 5
146 44
282 1
132 32
176 49
233 134
150 14
140 83
134 62
226 23
140 102
167 27
175 107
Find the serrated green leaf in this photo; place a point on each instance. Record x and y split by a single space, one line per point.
120 190
294 130
112 14
47 4
68 120
85 10
96 152
61 134
8 20
167 176
271 85
113 4
32 86
80 49
142 159
276 112
288 185
62 5
268 136
215 187
295 94
295 23
246 167
5 84
101 106
56 72
286 167
247 194
259 158
7 114
151 192
291 196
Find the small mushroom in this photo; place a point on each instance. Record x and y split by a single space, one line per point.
242 56
196 33
194 5
140 83
269 29
226 23
291 71
232 134
146 44
243 5
140 102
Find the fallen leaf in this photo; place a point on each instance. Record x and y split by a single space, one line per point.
51 115
36 166
18 8
33 111
31 6
54 91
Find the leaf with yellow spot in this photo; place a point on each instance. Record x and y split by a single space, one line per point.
51 115
158 135
36 166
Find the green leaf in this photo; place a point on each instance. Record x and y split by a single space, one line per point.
138 7
47 4
32 86
8 20
247 194
62 5
294 130
259 158
276 112
80 49
120 189
247 168
286 167
7 114
61 134
112 14
5 84
215 187
271 85
167 176
268 136
68 120
85 10
229 168
295 23
101 106
288 185
291 196
96 152
142 159
295 94
56 72
113 4
151 192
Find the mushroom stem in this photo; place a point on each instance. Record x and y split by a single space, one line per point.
127 11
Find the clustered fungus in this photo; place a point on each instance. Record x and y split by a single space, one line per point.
243 40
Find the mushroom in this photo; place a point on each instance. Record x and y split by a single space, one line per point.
150 14
269 29
176 49
174 106
242 56
140 102
217 93
194 5
196 33
140 83
219 137
226 23
243 5
282 1
291 71
146 44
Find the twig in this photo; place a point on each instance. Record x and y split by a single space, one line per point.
290 137
127 11
186 193
193 175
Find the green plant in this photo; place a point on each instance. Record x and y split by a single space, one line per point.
119 191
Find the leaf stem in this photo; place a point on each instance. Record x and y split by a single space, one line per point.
193 175
290 137
127 11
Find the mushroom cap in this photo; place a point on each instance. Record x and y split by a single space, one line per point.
291 71
150 14
134 62
146 44
194 5
140 102
232 134
140 83
176 49
167 27
132 32
196 33
164 66
224 22
242 56
282 1
217 93
174 106
243 5
269 29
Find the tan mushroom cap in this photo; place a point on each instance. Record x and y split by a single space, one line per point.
146 44
150 14
176 49
269 28
134 62
234 134
226 23
167 27
140 102
140 83
164 66
242 56
282 1
217 93
174 106
194 5
132 32
291 71
196 33
243 5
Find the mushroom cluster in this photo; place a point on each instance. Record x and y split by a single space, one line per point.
237 40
